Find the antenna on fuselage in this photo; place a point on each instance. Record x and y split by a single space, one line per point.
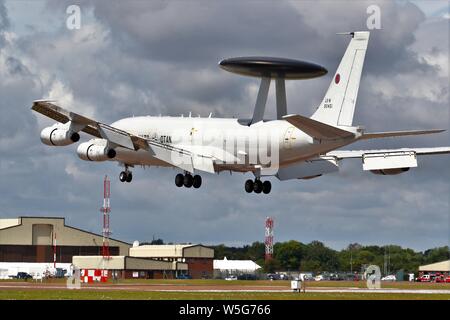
268 68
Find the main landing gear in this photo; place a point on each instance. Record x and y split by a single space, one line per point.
258 186
126 175
188 180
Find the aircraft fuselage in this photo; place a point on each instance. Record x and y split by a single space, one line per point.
235 144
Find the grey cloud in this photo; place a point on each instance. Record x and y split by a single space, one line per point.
4 22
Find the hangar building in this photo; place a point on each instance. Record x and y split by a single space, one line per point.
26 240
30 239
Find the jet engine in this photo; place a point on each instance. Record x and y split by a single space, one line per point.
93 152
57 136
389 172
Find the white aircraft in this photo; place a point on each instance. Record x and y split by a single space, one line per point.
289 147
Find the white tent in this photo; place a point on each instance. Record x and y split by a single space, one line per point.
235 265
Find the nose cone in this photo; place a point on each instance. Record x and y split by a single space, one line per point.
273 67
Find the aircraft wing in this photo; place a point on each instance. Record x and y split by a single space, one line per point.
89 126
171 154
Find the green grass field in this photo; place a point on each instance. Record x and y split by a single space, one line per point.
139 295
106 294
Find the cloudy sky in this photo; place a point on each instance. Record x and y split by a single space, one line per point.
160 57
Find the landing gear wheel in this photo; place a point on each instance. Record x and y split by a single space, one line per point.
188 180
123 176
249 186
129 176
179 180
266 187
197 181
258 186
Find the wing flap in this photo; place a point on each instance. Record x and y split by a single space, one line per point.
354 154
116 136
388 158
203 163
317 129
174 156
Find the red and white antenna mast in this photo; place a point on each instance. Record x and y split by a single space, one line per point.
268 241
106 209
54 249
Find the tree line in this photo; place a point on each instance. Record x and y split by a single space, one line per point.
316 257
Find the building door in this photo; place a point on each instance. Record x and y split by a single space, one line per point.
42 234
41 254
42 241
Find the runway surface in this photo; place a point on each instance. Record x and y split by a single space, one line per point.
210 288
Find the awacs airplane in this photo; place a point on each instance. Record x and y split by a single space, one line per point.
289 147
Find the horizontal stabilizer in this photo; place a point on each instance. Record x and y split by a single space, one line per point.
377 135
317 129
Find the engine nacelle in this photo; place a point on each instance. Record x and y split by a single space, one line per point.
56 136
92 152
390 172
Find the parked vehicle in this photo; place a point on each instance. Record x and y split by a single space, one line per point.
424 278
184 276
390 277
231 278
336 277
246 276
60 273
439 278
319 277
273 276
307 276
447 280
23 275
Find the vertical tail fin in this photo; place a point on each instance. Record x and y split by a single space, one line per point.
338 105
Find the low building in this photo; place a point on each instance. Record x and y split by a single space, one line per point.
32 239
442 267
198 258
125 267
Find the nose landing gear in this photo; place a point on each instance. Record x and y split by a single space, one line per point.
257 186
